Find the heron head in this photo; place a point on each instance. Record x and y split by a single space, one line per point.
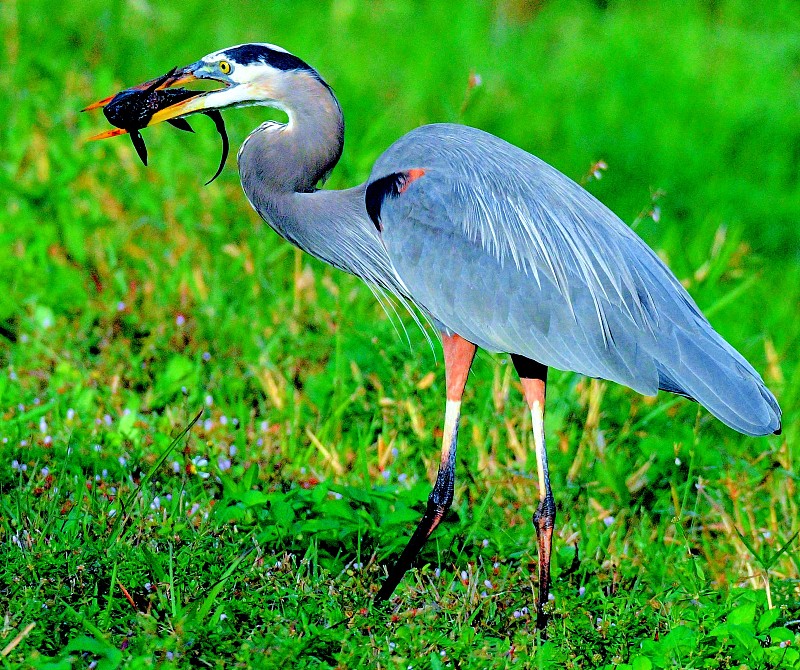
250 74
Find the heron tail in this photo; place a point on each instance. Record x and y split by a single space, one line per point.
710 371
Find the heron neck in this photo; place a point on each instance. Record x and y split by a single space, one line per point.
279 159
281 165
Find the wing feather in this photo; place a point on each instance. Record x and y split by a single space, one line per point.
503 249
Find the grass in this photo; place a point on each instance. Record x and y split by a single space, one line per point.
134 298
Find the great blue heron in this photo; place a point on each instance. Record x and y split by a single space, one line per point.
497 248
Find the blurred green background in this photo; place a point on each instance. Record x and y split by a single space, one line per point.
131 297
696 99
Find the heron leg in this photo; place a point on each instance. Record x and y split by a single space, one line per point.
458 356
533 376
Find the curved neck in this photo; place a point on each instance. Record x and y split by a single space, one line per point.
293 158
281 165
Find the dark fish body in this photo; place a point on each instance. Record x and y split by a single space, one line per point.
133 109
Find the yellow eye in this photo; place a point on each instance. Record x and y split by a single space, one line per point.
224 67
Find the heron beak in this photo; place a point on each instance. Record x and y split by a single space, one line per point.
197 103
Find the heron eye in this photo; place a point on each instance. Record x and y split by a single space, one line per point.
224 67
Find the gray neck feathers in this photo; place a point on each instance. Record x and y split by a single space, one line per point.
280 167
293 158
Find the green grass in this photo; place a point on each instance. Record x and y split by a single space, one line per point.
131 299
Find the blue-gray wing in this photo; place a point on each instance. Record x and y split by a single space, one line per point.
506 251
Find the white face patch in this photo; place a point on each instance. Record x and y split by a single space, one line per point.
244 74
248 64
226 54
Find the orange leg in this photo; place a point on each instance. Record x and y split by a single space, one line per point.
533 376
458 356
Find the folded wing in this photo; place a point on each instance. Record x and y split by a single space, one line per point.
503 249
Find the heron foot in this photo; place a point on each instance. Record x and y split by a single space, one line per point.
438 505
544 520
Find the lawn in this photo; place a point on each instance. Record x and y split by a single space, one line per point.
212 445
